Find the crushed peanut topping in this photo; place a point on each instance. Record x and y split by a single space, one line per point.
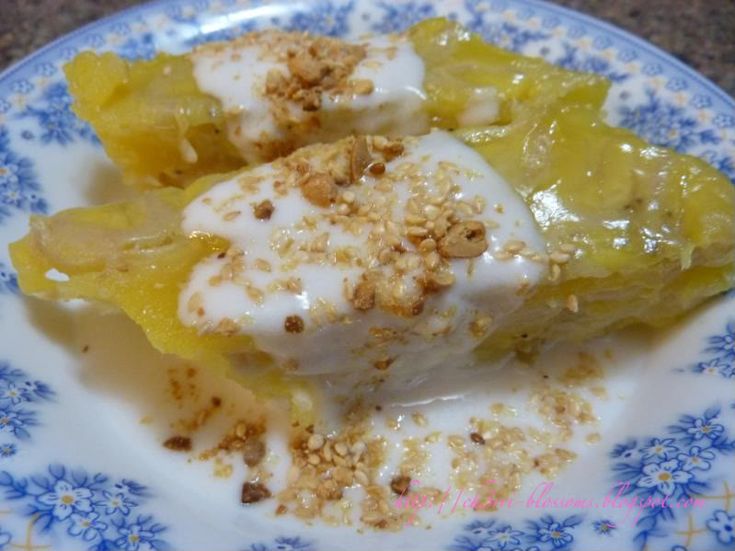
178 443
263 210
253 492
293 324
464 240
400 484
309 68
319 189
363 297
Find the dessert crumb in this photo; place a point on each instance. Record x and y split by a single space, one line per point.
178 443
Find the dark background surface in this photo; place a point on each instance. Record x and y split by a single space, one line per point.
699 32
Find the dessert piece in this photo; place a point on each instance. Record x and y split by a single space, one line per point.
374 261
172 119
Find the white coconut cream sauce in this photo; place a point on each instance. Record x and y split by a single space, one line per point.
235 73
485 288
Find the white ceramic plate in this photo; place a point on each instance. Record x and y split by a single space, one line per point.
84 405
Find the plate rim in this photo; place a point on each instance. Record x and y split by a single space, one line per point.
571 13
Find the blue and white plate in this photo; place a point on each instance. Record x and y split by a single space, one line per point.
84 407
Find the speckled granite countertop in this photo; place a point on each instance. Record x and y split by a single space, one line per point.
699 32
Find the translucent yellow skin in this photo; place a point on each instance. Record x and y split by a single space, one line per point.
143 111
457 61
133 255
654 231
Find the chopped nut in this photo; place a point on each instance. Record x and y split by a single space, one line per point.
363 297
293 324
263 210
572 304
477 438
360 158
400 484
464 240
307 69
253 492
319 189
178 443
434 282
253 451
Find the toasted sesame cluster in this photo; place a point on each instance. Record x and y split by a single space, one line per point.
325 466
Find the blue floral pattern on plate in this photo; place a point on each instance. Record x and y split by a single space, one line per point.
19 187
100 514
545 534
720 359
284 544
19 396
674 466
55 119
8 280
651 94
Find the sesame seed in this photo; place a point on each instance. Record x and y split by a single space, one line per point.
514 246
427 245
362 478
315 442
